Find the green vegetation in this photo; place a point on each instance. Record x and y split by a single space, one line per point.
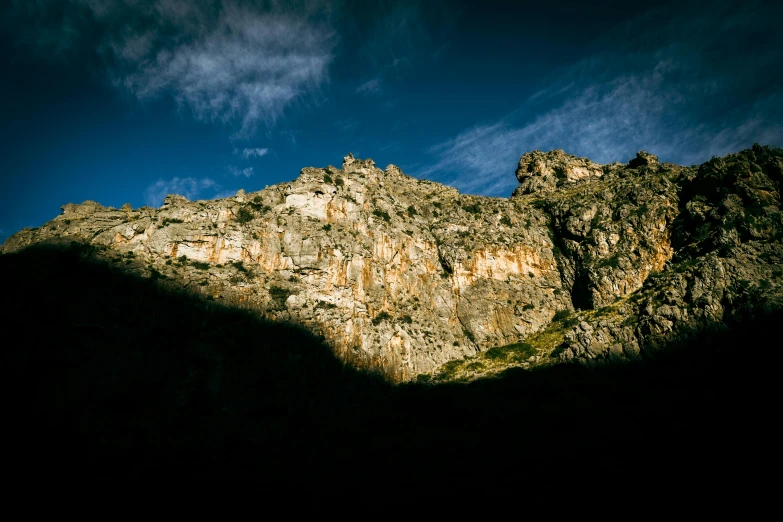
239 266
245 215
327 227
170 221
449 369
199 265
613 262
383 316
474 208
474 366
381 214
339 182
539 203
279 296
328 179
258 205
412 211
468 334
516 352
505 220
501 358
563 316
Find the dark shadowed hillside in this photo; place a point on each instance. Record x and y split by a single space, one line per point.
115 376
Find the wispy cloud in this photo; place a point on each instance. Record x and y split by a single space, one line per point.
290 134
346 124
372 87
478 160
252 153
246 172
191 188
673 100
231 61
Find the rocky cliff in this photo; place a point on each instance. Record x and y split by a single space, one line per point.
585 262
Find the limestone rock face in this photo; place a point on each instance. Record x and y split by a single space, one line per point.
643 159
585 262
540 172
694 248
399 274
613 234
651 253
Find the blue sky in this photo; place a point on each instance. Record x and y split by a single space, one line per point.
127 101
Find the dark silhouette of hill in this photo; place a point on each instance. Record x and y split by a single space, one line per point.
110 375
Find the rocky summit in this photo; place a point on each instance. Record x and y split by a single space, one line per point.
584 263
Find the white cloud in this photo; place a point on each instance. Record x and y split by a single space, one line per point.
233 62
191 188
252 153
246 172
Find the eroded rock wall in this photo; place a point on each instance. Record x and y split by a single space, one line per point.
403 275
400 275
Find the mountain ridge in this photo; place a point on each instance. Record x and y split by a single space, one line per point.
584 262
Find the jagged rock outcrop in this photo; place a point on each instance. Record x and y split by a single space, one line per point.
540 172
615 233
585 262
399 274
652 254
728 260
